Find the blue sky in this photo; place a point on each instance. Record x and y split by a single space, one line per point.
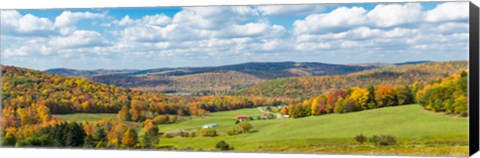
143 38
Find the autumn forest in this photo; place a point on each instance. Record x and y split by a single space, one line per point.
38 106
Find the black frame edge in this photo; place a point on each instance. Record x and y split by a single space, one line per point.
474 79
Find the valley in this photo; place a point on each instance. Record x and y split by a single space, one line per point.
405 109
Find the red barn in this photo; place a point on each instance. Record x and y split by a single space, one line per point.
265 116
242 117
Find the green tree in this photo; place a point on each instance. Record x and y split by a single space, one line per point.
8 140
89 142
222 145
339 105
68 134
361 138
100 135
461 105
151 136
404 94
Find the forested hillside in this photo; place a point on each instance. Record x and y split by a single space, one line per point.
211 80
203 83
309 86
31 97
73 72
23 88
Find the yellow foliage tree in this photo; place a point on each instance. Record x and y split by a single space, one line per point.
360 96
129 138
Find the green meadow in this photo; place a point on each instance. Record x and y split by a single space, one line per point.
417 131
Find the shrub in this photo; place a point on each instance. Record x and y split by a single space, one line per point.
9 140
161 119
246 126
269 108
191 134
374 139
208 132
222 145
236 130
361 138
383 140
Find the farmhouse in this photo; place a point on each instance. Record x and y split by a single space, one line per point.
212 125
242 117
265 116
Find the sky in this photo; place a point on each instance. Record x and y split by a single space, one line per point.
144 38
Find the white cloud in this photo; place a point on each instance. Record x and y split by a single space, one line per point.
312 46
343 18
157 19
199 35
79 38
338 19
359 33
289 10
448 11
68 18
450 27
30 23
16 24
261 29
213 17
21 51
395 14
29 47
400 32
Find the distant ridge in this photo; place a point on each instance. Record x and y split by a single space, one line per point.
219 79
74 72
213 79
413 62
265 70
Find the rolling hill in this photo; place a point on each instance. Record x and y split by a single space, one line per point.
308 86
333 133
73 72
263 70
208 80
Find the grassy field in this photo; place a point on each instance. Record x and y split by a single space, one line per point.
80 117
91 118
418 132
224 119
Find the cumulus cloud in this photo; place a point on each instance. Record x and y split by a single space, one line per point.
337 20
195 36
157 19
289 10
214 17
199 23
343 18
16 24
447 12
30 23
79 38
68 18
254 29
394 14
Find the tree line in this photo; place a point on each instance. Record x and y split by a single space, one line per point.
447 94
311 86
